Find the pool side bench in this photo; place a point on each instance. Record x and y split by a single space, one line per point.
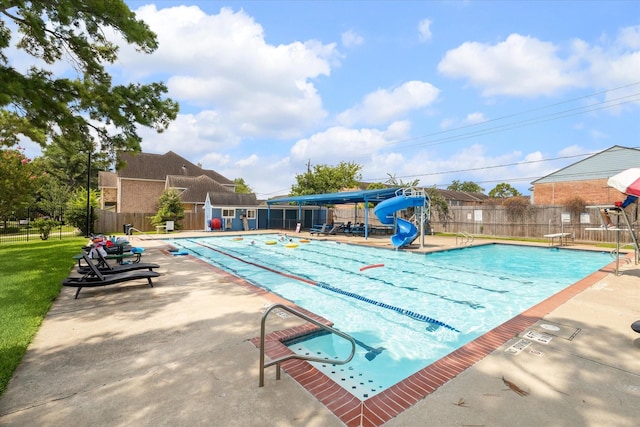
562 237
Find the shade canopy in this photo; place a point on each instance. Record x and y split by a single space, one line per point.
339 198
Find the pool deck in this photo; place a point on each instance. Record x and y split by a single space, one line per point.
183 353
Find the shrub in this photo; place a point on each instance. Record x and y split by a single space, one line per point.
45 226
76 212
169 209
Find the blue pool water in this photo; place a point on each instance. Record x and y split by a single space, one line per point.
406 314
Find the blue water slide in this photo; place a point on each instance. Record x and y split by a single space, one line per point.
406 232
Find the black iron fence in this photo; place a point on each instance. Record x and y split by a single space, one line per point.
30 224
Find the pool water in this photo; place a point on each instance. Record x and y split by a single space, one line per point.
406 310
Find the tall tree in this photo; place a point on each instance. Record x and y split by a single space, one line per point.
327 179
66 161
18 181
86 106
397 182
468 186
241 186
504 190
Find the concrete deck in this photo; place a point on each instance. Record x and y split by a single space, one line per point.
181 354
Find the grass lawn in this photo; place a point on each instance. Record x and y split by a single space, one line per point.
30 280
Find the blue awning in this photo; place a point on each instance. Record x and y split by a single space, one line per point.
372 196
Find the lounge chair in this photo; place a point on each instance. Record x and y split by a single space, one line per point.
95 278
333 229
316 230
106 268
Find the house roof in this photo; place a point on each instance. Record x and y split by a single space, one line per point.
107 179
196 189
462 196
158 166
601 165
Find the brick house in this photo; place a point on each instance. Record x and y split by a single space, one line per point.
137 186
586 178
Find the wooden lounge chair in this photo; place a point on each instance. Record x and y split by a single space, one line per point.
95 278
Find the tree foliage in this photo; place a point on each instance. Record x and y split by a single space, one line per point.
170 208
504 190
84 105
242 187
327 179
18 181
66 161
517 208
468 186
76 212
438 205
397 182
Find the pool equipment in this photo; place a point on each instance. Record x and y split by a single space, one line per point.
406 232
366 267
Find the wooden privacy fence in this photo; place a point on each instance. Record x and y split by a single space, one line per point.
111 222
498 221
534 222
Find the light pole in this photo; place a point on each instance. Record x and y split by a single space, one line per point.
88 229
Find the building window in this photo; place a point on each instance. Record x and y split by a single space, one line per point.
251 213
228 213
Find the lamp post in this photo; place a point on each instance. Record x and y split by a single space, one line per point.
88 229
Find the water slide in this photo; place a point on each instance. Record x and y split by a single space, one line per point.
406 232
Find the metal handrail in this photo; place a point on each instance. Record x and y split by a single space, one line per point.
297 356
465 238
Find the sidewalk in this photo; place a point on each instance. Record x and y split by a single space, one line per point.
180 354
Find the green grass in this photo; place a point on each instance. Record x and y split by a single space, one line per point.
30 280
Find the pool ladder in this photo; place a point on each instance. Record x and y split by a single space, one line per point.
464 238
279 360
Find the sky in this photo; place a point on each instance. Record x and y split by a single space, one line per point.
482 91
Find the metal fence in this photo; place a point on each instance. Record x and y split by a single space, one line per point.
20 227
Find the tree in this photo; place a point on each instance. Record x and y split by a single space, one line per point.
53 197
170 208
86 107
467 186
377 186
327 179
397 182
504 190
18 181
76 212
242 187
438 205
66 161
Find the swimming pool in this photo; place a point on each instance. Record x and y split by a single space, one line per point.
406 311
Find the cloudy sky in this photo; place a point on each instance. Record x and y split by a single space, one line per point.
484 91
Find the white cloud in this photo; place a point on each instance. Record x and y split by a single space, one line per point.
424 30
519 66
223 63
476 117
190 134
383 105
351 39
629 37
250 161
342 143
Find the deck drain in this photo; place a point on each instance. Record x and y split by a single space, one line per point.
549 327
518 346
539 337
